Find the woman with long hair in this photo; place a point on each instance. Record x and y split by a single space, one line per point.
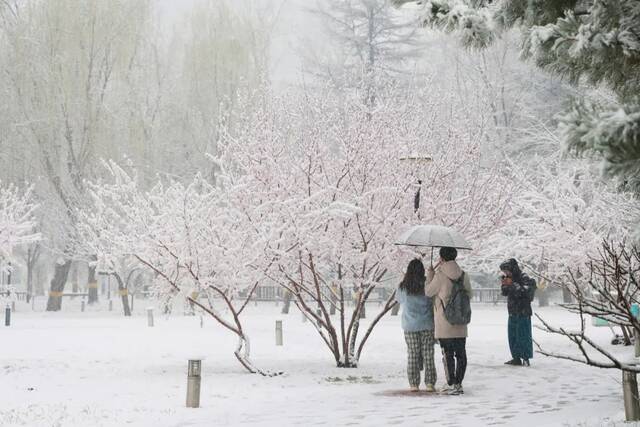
417 323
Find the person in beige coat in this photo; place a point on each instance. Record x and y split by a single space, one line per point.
452 338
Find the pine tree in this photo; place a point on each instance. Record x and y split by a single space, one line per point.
368 44
592 42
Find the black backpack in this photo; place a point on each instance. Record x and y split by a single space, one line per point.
458 309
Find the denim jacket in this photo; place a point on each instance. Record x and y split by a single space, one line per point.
417 311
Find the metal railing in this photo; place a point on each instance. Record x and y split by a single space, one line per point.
380 294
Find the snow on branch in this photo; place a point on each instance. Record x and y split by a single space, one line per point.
190 236
328 187
17 222
607 291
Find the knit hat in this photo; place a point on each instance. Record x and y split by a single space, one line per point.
511 265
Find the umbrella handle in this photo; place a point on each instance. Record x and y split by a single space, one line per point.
431 256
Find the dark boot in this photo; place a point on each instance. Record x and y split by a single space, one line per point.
515 362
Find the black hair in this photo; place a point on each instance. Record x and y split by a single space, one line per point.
448 254
413 281
511 265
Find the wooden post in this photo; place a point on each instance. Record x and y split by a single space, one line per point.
193 383
395 309
630 396
278 332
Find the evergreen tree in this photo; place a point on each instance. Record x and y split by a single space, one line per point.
367 44
596 42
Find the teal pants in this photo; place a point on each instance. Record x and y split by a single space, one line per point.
520 341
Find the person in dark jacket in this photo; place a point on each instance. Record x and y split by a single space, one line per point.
519 290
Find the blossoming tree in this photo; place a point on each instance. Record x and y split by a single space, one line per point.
16 225
189 235
562 212
332 184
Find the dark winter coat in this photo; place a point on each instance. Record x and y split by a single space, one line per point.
521 292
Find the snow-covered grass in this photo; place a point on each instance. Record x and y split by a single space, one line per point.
98 368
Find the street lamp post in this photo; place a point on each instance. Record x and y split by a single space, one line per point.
415 159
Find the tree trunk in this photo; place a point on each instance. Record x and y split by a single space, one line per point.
124 295
287 302
54 303
92 286
543 297
334 300
33 253
359 295
566 295
41 275
75 274
29 282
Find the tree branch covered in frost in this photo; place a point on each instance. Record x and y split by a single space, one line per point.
562 211
594 41
608 292
586 346
192 237
331 193
473 25
17 223
610 131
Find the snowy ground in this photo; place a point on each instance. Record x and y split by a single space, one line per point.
98 368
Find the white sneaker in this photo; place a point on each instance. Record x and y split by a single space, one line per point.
413 388
429 388
446 389
456 390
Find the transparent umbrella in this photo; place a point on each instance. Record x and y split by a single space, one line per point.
430 236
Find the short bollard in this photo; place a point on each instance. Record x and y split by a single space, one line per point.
193 383
278 332
110 305
150 317
395 309
7 315
82 306
630 396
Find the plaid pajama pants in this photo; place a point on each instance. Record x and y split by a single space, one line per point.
419 354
